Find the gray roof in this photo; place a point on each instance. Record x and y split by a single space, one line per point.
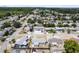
1 33
59 41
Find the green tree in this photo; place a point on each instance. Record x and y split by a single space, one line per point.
17 24
6 33
60 25
2 39
63 30
66 25
6 24
73 25
13 40
31 21
71 46
40 21
8 14
49 25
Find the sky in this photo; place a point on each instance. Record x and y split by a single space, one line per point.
39 3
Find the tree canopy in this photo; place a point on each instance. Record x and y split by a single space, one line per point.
71 46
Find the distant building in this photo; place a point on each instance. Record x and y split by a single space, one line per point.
59 29
39 29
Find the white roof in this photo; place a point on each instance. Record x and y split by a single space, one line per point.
38 32
54 43
22 41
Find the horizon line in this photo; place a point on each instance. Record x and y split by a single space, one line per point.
47 6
